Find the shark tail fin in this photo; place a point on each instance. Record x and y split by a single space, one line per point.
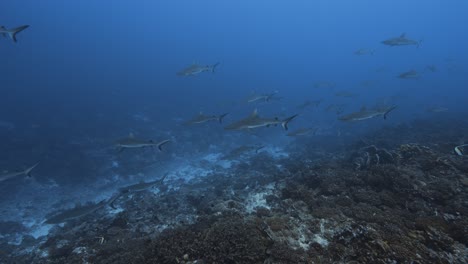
213 68
388 111
163 143
220 118
418 44
12 32
27 172
285 122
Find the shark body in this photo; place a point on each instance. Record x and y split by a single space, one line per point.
11 175
402 40
196 69
255 121
365 114
131 143
201 118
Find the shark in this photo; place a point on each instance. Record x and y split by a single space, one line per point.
10 175
239 151
132 142
437 109
77 212
402 40
137 187
255 121
308 103
261 97
361 52
412 74
141 186
196 69
365 114
81 211
324 84
337 108
201 118
302 132
12 31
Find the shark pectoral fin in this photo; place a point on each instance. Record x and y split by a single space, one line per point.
120 149
163 143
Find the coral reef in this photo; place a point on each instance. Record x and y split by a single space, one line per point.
395 203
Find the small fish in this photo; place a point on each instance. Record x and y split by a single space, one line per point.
10 175
255 121
365 114
412 74
12 32
402 40
201 118
196 69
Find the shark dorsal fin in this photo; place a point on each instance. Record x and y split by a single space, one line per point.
131 135
363 108
254 113
403 35
200 113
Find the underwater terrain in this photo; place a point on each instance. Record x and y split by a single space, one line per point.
249 132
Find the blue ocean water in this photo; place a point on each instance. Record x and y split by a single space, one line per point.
87 73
